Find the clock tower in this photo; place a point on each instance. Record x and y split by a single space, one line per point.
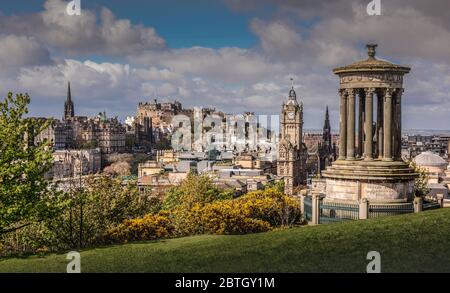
291 149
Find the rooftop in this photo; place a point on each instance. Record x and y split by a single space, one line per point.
372 64
429 159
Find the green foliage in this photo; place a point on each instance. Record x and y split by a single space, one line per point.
88 145
25 196
195 189
254 212
87 215
102 204
421 182
278 185
172 198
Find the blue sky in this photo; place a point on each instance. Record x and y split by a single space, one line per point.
234 55
182 23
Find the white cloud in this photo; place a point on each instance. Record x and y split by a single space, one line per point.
231 79
229 65
84 34
19 51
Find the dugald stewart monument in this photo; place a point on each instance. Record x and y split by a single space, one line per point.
370 165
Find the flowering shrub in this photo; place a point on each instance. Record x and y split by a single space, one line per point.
254 212
228 217
149 227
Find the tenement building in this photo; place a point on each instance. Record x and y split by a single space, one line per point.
369 165
80 132
292 151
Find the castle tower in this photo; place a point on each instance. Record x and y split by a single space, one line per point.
69 111
291 149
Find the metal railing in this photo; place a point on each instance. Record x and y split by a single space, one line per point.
308 208
382 210
338 212
430 205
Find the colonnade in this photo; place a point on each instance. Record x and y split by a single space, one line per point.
381 140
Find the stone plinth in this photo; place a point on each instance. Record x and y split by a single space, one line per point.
376 181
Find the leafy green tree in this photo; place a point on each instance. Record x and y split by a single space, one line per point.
103 202
25 196
195 189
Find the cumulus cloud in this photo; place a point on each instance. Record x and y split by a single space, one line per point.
303 40
84 34
19 51
229 64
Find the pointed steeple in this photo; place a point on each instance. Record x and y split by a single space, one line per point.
326 138
69 94
69 111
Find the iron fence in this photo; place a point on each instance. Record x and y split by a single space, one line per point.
381 210
337 212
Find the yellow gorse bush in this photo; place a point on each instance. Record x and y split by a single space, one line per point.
254 212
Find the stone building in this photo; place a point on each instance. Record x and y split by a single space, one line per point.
108 134
160 113
375 170
292 151
72 163
59 134
153 119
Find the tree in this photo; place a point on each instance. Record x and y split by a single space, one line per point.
104 202
421 182
25 196
195 189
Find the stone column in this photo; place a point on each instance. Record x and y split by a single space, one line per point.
343 125
315 206
418 204
363 209
387 125
361 117
380 98
399 123
302 205
368 147
351 125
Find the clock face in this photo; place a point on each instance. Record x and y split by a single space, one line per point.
291 115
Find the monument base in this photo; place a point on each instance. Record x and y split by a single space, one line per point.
376 181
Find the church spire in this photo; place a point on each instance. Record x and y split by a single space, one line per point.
69 111
69 94
327 130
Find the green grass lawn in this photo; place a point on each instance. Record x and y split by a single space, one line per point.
409 243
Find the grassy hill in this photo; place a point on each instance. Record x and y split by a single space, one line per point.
409 243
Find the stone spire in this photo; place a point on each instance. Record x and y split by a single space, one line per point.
327 131
69 111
